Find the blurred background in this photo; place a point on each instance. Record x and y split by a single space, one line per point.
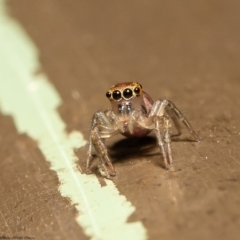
185 51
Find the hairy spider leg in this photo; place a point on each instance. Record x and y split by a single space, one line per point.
167 139
101 128
183 119
158 120
102 153
158 123
175 121
161 112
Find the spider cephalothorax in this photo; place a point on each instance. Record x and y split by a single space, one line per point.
134 114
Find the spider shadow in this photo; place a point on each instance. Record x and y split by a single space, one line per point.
128 148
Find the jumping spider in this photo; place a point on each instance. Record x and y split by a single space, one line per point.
134 114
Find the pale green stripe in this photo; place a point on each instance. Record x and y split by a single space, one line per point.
32 102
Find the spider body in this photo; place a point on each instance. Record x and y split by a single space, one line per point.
124 108
134 114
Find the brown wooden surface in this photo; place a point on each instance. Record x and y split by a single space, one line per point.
186 51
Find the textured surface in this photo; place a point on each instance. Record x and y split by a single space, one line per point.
186 51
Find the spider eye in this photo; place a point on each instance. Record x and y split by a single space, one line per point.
116 95
127 93
108 95
137 90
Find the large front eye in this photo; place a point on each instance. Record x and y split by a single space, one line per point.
116 95
108 95
127 93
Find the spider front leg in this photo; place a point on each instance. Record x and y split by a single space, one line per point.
162 124
102 127
167 139
161 106
161 112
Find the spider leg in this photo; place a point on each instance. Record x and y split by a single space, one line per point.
167 139
175 122
171 106
89 153
102 153
160 114
158 123
102 127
